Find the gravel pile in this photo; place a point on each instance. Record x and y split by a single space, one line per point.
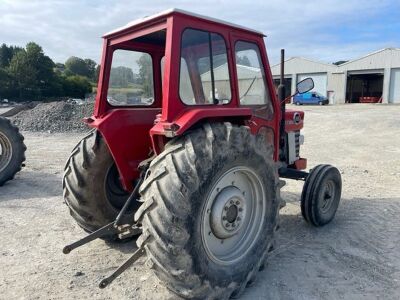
54 117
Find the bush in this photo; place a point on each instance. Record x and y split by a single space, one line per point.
76 86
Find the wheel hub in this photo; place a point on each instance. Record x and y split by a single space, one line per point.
233 215
5 151
227 212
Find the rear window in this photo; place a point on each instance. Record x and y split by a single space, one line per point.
131 79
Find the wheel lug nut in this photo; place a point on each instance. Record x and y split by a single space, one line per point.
231 202
237 202
228 225
225 208
238 219
240 209
233 224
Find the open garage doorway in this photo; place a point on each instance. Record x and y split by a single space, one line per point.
364 87
287 83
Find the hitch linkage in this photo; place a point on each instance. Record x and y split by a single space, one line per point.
115 227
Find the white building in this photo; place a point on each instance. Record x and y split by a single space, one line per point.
374 75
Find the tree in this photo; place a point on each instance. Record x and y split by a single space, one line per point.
24 75
91 68
76 86
33 72
145 74
121 77
243 60
76 66
6 54
337 63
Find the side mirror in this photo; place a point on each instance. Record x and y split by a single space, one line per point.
305 85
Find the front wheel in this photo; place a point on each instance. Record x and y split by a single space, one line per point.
210 211
321 195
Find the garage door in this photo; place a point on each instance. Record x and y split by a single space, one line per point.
320 81
394 91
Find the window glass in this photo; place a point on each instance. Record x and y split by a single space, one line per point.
251 78
131 79
204 76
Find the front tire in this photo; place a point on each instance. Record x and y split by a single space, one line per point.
321 195
91 185
197 190
12 150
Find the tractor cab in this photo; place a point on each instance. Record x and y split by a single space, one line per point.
163 74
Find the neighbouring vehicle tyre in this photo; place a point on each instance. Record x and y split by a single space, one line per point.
210 211
321 195
91 185
12 150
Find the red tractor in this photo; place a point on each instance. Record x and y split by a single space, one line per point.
188 144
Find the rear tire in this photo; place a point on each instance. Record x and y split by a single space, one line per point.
321 195
12 150
91 185
184 178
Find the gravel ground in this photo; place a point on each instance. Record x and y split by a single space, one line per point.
54 117
354 257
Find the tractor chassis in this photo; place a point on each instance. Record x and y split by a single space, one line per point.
294 174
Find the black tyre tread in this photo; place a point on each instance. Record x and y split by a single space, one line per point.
172 174
83 185
303 203
310 191
18 146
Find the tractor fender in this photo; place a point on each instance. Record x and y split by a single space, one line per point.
162 131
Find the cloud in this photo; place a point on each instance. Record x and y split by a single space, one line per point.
327 30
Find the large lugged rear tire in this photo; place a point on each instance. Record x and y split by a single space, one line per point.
12 150
210 211
91 184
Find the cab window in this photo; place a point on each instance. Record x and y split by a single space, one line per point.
204 73
252 85
131 79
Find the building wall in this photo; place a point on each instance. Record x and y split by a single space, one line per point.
385 60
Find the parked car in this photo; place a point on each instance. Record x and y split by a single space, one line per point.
310 98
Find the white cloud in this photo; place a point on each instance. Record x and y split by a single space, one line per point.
315 29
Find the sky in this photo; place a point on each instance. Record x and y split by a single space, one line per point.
324 30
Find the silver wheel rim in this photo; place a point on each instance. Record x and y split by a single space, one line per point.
233 215
328 196
5 151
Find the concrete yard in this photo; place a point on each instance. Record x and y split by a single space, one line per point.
355 257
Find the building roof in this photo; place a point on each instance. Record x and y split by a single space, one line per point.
369 54
373 60
171 11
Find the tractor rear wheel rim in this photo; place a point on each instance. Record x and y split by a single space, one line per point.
5 151
233 216
328 196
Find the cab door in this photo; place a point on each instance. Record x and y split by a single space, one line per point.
255 88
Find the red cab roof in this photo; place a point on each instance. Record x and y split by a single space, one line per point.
171 12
